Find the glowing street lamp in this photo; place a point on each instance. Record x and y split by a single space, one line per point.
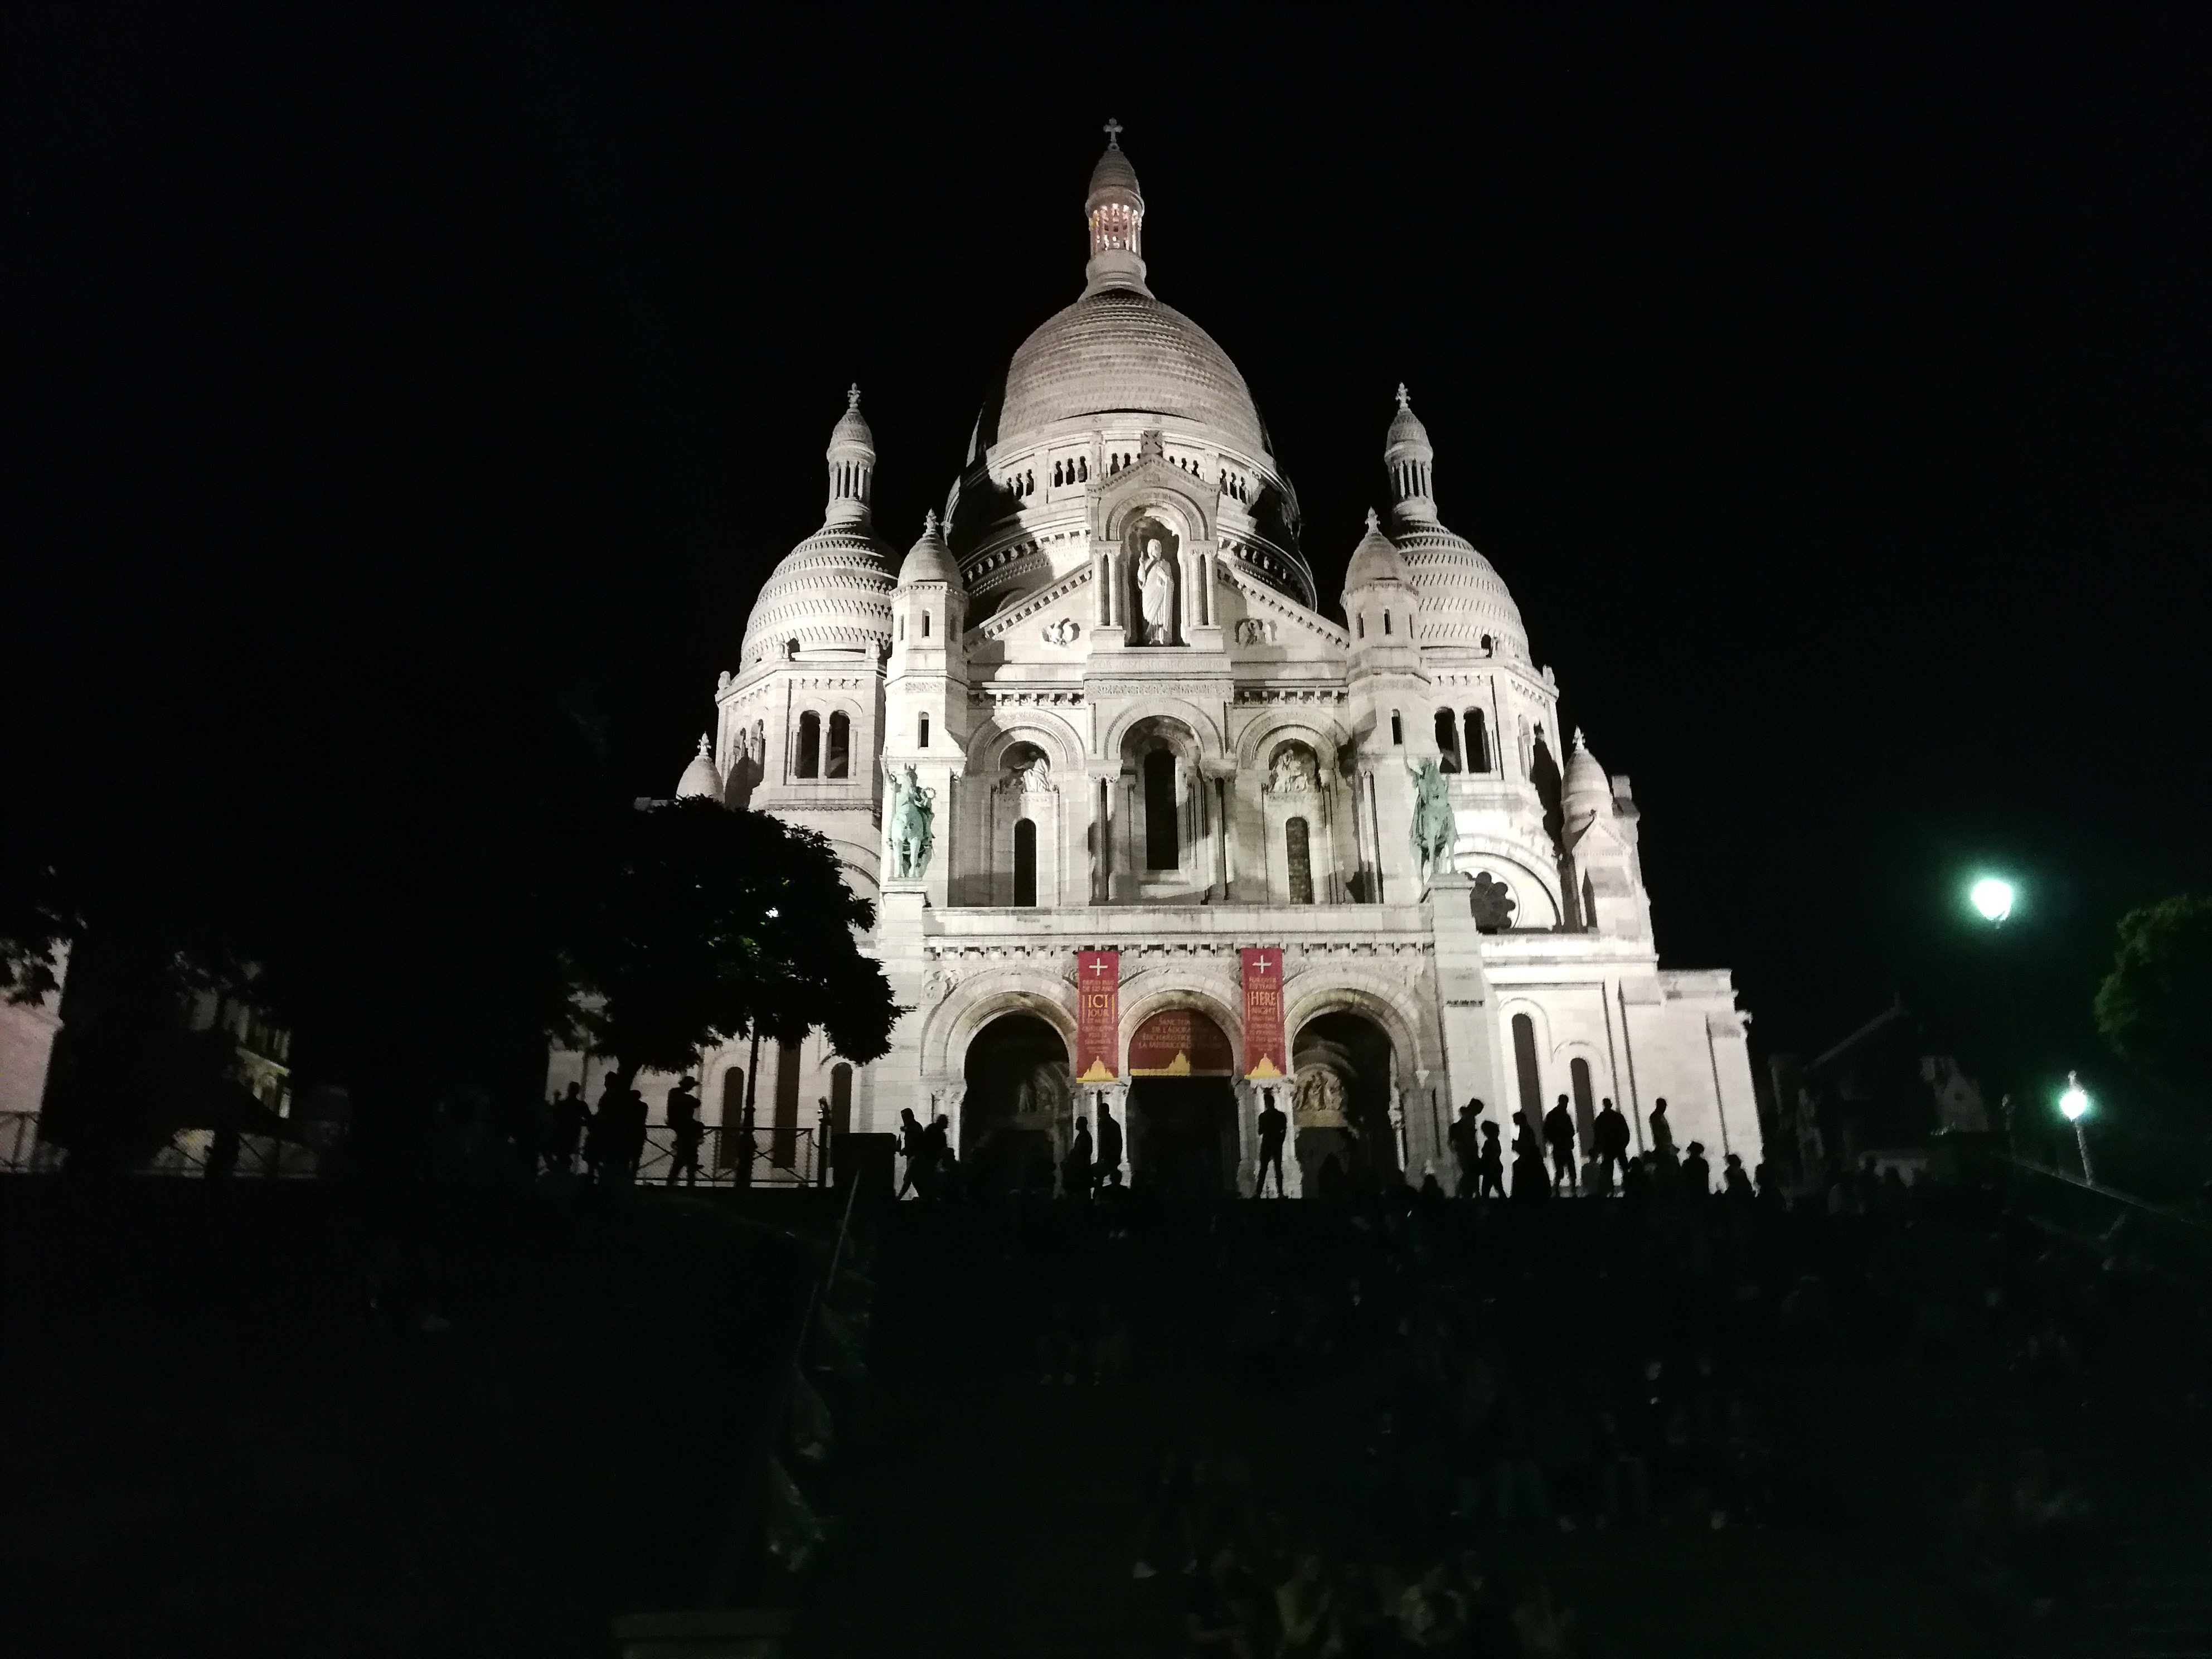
1991 897
2074 1104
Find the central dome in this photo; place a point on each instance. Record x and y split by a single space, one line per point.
1119 351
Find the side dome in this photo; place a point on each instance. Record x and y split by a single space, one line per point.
1463 598
832 591
1374 560
1120 351
1584 791
700 781
929 560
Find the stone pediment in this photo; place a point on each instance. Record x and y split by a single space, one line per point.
1033 609
1287 621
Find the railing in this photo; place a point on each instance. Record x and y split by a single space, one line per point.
788 1157
770 1156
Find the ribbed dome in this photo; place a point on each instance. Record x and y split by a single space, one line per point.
701 780
1405 428
852 426
1120 351
1462 597
834 589
929 560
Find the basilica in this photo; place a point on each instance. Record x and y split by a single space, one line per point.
1152 835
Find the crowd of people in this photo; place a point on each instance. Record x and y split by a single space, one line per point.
1409 1391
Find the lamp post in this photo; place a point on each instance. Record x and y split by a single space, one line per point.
2074 1104
1990 898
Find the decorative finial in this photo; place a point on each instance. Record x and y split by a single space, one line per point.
1374 521
1112 133
1405 398
705 746
1580 743
929 522
853 398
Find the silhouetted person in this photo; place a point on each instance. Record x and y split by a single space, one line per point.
1559 1138
1110 1141
1075 1168
913 1137
1274 1127
1465 1139
1662 1134
936 1150
1609 1139
1492 1164
629 1136
685 1131
1735 1182
570 1113
1530 1179
1697 1174
604 1132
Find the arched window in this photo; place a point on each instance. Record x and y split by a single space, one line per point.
1585 1107
925 624
837 762
1397 731
1478 742
1297 852
1083 470
733 1117
1386 621
1162 834
1446 741
783 1129
840 1101
1589 906
922 731
808 763
1363 627
1525 1073
902 627
1026 861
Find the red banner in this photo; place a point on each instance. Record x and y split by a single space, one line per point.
1097 1016
1265 1047
1180 1042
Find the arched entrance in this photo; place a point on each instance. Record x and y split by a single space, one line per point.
1182 1106
1342 1062
1016 1117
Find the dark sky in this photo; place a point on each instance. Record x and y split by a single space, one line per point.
1831 389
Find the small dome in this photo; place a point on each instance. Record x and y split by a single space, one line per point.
700 781
1374 560
1584 791
1406 431
1114 174
929 560
852 426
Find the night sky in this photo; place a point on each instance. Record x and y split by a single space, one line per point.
1831 393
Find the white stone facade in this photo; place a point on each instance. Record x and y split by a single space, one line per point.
1142 734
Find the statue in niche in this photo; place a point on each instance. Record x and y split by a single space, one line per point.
1028 771
1435 829
1156 586
1321 1097
907 816
1295 771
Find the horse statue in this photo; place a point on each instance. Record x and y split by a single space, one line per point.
1436 832
907 822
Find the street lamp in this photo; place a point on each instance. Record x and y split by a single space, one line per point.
1991 897
2075 1104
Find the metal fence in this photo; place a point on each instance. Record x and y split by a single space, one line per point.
771 1157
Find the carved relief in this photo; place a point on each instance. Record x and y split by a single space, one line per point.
1063 632
1256 630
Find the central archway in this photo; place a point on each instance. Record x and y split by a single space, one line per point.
1016 1116
1343 1062
1182 1106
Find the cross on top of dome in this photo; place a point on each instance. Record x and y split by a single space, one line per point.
1405 398
1114 131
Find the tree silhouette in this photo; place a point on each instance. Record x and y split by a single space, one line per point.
2155 1007
716 924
